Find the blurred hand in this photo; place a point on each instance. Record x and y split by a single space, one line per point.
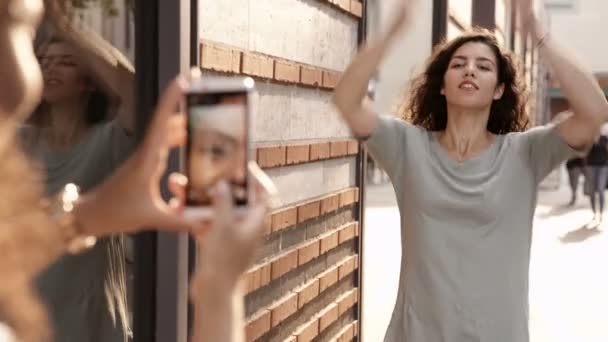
402 13
227 246
130 199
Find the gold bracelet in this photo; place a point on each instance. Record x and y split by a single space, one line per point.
62 210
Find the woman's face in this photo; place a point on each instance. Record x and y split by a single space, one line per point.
471 79
215 155
63 75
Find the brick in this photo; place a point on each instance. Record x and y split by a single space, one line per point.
355 328
319 151
308 252
257 65
353 297
329 242
286 72
308 331
309 292
346 268
352 148
284 309
284 218
297 154
356 8
267 224
347 197
252 279
311 76
309 211
328 316
357 229
258 326
338 149
265 275
237 57
347 335
271 156
331 79
215 57
283 264
329 204
347 233
344 303
291 338
343 4
327 279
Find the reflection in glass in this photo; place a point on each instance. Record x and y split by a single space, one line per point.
80 133
218 148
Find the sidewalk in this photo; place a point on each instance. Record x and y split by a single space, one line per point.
568 271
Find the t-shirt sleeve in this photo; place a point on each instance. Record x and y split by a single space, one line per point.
387 144
118 142
546 149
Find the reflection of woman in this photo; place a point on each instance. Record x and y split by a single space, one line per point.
596 175
79 133
32 236
466 175
217 149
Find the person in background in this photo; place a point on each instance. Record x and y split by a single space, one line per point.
574 167
596 175
36 229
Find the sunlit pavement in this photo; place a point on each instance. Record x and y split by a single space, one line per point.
568 271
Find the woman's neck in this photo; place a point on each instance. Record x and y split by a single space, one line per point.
66 123
466 134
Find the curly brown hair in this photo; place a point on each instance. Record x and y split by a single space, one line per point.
426 106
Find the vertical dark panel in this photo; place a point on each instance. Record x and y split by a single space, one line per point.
194 60
484 14
513 27
440 21
146 58
172 249
360 181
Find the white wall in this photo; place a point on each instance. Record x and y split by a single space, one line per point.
409 54
583 28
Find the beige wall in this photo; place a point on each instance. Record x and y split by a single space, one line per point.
583 28
408 55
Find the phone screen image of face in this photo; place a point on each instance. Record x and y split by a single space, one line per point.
217 149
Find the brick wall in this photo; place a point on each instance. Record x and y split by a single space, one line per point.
304 284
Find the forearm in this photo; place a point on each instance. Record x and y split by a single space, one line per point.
218 311
577 83
352 88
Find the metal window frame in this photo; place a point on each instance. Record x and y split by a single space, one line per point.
160 289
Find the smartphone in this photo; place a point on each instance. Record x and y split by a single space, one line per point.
218 144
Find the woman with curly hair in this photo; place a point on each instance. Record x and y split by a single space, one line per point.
465 171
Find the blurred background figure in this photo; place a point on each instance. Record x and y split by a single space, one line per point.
596 174
575 168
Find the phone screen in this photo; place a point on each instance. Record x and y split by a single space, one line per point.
217 145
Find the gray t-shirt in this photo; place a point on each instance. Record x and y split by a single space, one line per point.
466 230
86 293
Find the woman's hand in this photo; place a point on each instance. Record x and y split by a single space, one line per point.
226 246
130 200
529 18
